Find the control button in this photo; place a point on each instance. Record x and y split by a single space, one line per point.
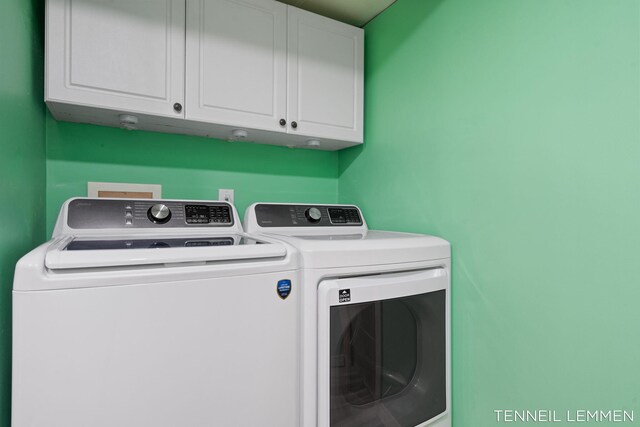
128 214
128 221
159 213
313 214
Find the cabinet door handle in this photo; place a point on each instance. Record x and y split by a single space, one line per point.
283 122
294 125
177 106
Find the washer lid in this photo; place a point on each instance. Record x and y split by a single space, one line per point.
369 248
101 251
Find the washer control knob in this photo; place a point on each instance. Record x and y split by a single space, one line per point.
313 214
159 213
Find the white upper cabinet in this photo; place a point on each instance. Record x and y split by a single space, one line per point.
116 54
255 70
236 63
325 77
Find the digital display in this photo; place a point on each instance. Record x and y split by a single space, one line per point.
337 216
344 216
203 214
196 214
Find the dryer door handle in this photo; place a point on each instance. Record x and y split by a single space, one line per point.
381 287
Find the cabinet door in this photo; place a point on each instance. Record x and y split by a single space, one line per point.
325 71
117 54
236 63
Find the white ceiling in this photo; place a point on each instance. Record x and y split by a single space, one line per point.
354 12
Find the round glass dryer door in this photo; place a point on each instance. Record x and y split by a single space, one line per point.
387 359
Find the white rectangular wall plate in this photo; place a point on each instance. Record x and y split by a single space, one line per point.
225 195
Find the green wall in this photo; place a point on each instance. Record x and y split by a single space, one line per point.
511 128
22 159
187 167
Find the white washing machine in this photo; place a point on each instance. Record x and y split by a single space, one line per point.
375 317
142 313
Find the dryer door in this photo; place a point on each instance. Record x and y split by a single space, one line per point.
384 349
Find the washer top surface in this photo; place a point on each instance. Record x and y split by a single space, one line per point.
104 242
160 242
340 237
100 251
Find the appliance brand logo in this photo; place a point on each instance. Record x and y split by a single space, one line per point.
344 295
284 288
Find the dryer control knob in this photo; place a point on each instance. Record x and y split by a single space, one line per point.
159 213
313 214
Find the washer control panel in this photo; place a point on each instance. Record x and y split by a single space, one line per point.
275 215
116 213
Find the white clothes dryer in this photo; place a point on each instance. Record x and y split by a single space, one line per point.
155 313
375 317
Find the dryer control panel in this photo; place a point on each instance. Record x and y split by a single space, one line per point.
282 215
128 214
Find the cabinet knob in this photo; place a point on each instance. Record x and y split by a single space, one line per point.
177 106
283 122
294 125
